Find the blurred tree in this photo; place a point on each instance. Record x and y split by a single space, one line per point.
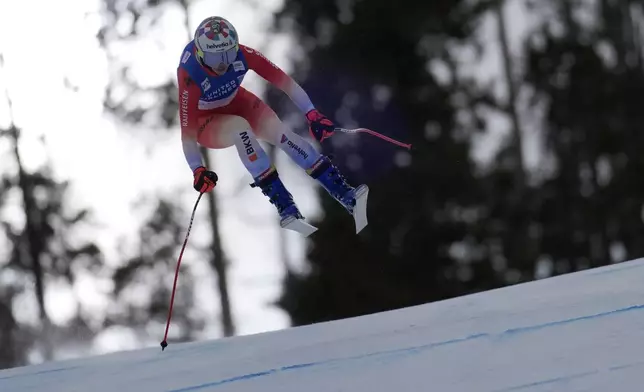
44 247
367 64
15 341
511 198
144 283
511 105
134 24
584 63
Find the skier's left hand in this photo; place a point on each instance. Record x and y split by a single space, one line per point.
320 126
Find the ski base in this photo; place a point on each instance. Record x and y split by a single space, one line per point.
298 225
360 209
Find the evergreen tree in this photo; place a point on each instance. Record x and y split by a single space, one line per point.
44 248
367 64
589 78
142 285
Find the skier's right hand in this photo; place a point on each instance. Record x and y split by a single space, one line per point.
205 180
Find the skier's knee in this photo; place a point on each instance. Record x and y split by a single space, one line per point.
301 151
251 153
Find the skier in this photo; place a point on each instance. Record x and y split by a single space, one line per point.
217 112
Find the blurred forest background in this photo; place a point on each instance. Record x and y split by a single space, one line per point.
528 173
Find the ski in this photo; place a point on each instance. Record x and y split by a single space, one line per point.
360 209
359 216
298 225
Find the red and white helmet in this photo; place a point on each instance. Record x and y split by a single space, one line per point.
217 43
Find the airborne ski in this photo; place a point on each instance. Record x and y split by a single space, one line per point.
298 225
360 209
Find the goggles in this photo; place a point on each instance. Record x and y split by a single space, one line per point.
219 59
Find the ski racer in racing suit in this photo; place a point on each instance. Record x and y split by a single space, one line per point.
216 112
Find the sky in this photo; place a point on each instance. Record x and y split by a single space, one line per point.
111 167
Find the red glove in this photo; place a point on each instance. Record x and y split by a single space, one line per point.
320 126
205 180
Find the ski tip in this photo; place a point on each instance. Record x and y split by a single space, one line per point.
361 191
306 234
360 228
360 210
298 225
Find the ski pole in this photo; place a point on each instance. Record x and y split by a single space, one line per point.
374 133
164 343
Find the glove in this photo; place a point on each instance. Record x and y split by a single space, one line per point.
320 126
205 180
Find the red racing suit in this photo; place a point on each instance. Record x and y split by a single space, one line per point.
211 104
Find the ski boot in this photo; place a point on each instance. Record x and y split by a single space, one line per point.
290 216
333 182
273 187
354 200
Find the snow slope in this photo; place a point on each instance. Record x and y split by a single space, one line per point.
577 332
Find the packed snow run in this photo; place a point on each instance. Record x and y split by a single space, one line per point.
577 332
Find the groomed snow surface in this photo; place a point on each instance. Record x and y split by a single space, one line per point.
577 332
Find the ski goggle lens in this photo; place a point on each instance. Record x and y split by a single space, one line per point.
214 60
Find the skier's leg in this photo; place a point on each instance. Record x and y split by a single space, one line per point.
248 148
220 129
275 132
318 166
236 130
265 174
268 127
216 130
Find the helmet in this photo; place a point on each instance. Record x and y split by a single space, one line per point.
217 43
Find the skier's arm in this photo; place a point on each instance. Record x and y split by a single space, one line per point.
188 106
320 126
277 77
191 151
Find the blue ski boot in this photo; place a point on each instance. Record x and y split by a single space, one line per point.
334 182
273 187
